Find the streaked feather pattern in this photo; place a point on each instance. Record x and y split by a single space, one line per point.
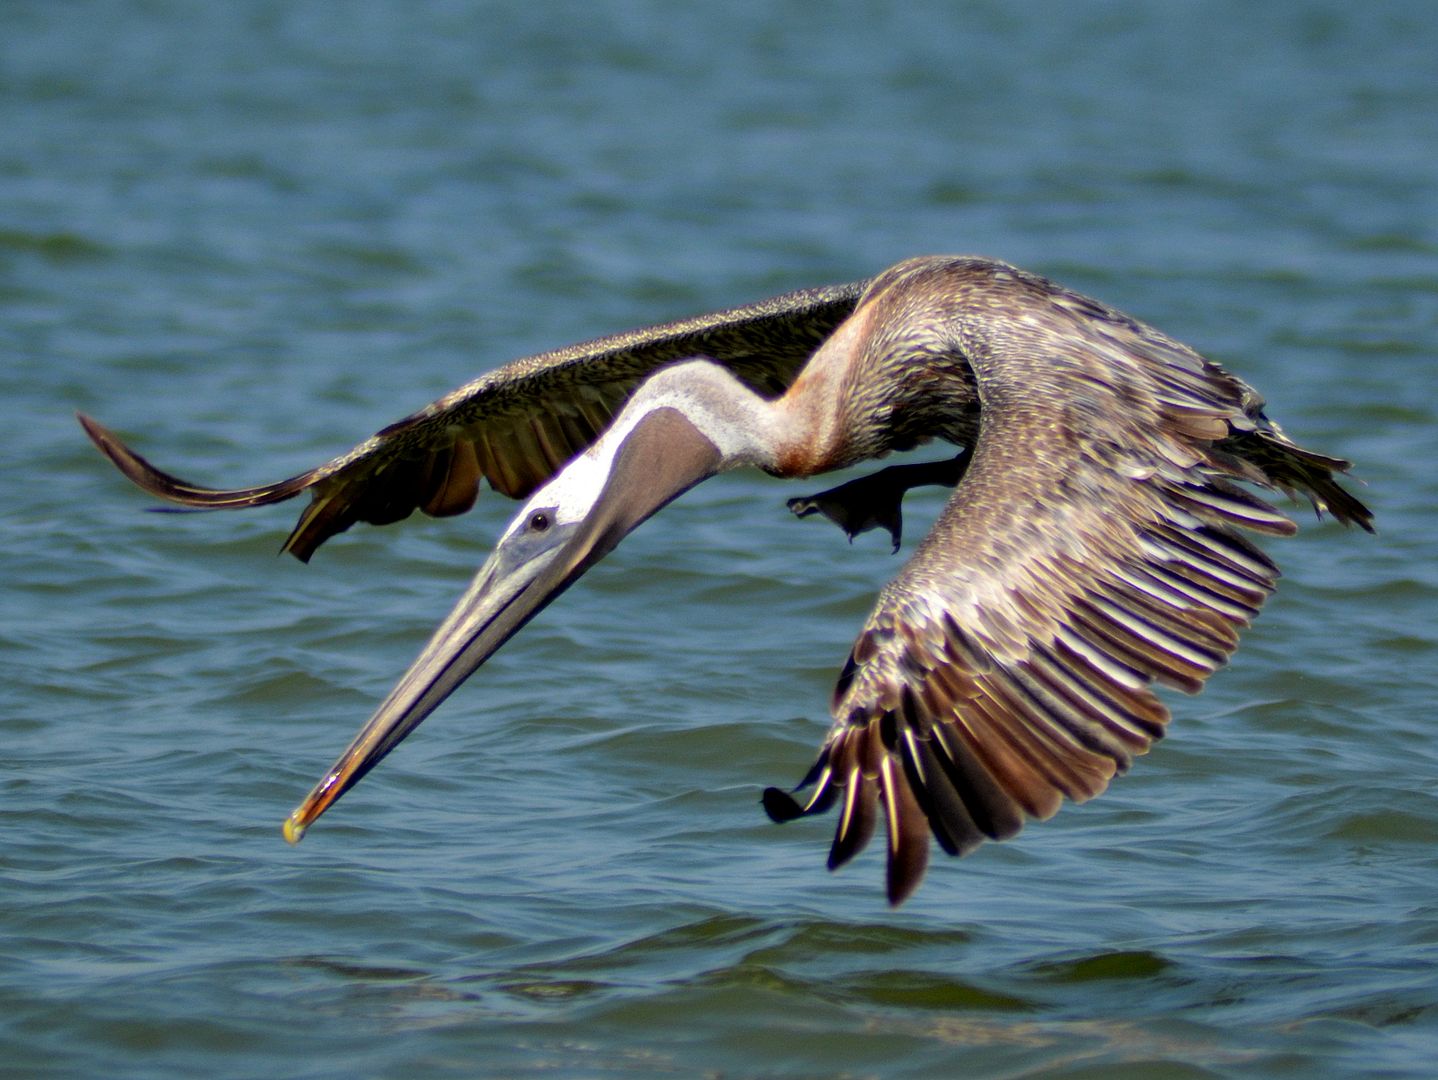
1095 544
1093 549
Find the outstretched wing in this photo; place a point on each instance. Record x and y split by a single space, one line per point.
1093 549
518 424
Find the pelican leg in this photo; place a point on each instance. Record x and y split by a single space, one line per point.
875 501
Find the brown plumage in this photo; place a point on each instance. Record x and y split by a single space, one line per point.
1093 547
516 425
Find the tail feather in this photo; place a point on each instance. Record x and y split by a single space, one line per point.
1296 471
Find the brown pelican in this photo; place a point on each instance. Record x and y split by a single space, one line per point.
1093 546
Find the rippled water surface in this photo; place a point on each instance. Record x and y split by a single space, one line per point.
248 234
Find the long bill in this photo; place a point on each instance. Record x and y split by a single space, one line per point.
523 575
490 612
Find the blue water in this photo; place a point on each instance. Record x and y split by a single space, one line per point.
248 234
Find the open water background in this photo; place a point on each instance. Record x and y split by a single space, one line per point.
247 234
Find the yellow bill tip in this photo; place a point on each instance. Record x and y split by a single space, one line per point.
294 831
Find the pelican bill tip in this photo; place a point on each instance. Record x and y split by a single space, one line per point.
294 828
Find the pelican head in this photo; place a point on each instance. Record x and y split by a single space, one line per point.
649 457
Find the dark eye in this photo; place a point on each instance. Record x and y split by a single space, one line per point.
539 521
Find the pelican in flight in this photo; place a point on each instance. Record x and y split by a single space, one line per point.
1094 545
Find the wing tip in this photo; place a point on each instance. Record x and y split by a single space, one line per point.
171 488
780 806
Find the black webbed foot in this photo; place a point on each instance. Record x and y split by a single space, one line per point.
858 506
876 501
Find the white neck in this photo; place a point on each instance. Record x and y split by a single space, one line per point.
747 429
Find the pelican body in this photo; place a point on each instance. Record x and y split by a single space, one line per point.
1095 543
